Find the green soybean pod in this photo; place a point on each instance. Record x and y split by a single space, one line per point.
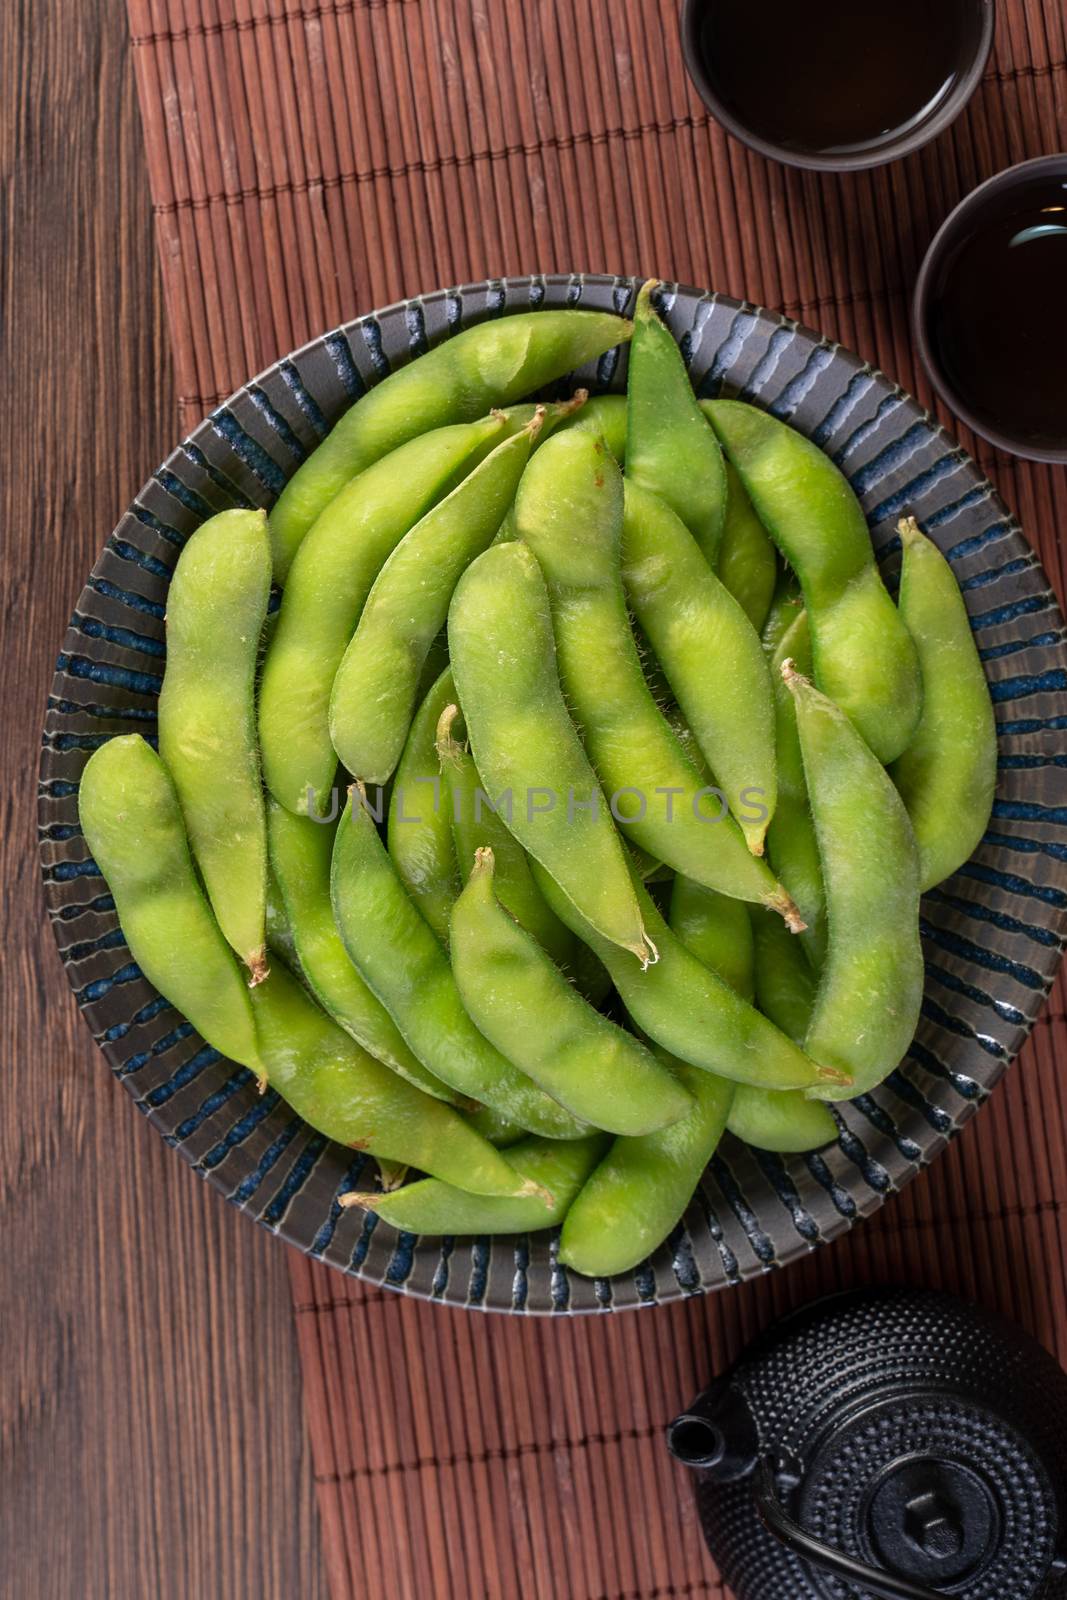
717 930
947 776
432 1207
791 843
569 511
786 605
631 1201
325 593
419 827
525 745
343 1092
775 966
300 851
216 605
524 1005
500 1131
374 690
785 1122
785 980
870 989
405 966
603 414
748 561
711 655
691 1012
133 826
865 659
492 364
475 823
671 448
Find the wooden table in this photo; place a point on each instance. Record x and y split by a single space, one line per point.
143 1323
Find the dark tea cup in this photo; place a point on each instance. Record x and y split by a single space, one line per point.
990 309
836 85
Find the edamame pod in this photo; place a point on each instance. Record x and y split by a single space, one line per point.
474 823
671 448
947 776
216 605
133 826
330 1081
604 414
718 932
521 734
569 511
787 1123
325 593
785 979
786 605
420 829
641 1188
374 691
492 364
864 656
772 1119
711 655
748 562
402 962
867 1003
524 1005
435 1208
300 853
691 1012
791 843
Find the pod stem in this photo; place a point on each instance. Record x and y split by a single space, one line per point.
567 408
448 747
484 863
354 1197
782 902
257 966
793 679
909 530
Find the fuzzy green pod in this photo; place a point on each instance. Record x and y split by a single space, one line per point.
711 655
325 592
748 561
947 777
865 660
525 745
791 843
374 692
524 1005
492 364
475 824
301 849
133 825
603 414
870 989
436 1208
405 966
671 448
419 828
343 1092
691 1012
717 930
216 605
637 1194
569 510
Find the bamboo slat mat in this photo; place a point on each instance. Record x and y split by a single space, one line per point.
310 161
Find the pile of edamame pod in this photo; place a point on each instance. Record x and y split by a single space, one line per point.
574 805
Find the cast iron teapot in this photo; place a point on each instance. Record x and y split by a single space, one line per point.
894 1444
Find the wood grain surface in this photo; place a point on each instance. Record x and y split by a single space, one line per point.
151 1434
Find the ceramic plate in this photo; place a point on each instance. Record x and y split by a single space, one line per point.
992 935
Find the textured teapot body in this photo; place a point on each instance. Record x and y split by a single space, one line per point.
910 1435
